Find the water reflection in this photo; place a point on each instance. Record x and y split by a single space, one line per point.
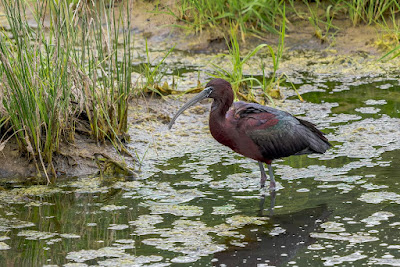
277 248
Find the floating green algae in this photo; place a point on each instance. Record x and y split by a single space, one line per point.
177 210
36 235
240 220
379 197
337 260
4 246
85 255
130 260
112 207
224 210
352 238
118 227
145 224
89 185
333 227
377 218
188 237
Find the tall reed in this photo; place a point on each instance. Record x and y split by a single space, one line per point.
64 70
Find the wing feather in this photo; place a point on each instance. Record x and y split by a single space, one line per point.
279 134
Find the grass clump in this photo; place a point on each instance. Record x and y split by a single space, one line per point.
259 16
240 82
253 15
369 11
64 73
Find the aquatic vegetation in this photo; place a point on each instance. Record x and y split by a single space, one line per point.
62 77
332 227
85 255
4 246
35 235
376 218
224 210
334 260
177 210
112 207
152 75
379 197
352 238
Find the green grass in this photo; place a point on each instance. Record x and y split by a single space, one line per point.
240 83
64 75
248 15
260 16
369 11
234 75
153 73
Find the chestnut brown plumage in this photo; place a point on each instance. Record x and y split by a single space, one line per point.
255 131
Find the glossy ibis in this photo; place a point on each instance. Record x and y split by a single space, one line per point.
256 131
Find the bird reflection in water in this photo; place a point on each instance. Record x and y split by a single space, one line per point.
279 249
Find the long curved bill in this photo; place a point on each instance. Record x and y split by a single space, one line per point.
202 95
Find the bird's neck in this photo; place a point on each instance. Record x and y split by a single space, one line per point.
218 122
219 108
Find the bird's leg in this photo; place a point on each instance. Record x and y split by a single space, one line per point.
263 174
272 184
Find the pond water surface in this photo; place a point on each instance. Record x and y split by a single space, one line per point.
203 206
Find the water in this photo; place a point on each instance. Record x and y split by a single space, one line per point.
203 206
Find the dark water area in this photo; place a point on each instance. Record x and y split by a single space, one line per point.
206 208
